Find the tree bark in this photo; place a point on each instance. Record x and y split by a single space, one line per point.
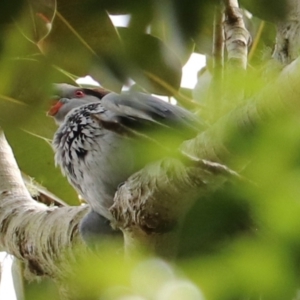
38 235
288 34
237 37
150 206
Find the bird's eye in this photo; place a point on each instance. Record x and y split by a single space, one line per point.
79 94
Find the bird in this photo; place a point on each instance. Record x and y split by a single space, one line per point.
104 137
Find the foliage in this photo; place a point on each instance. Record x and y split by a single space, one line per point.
240 243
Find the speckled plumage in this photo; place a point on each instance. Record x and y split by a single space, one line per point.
90 156
98 142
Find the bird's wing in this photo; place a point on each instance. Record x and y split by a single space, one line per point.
142 112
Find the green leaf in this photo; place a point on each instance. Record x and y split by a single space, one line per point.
81 38
152 64
9 10
262 9
25 90
90 35
37 17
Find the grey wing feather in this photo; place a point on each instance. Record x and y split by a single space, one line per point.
146 107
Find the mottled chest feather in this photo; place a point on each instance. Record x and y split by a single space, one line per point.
76 136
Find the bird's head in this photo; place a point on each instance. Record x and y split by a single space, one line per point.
68 97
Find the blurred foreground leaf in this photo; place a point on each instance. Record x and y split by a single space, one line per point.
37 19
151 63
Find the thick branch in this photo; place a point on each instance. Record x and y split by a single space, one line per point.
216 85
218 44
288 34
237 37
151 202
36 234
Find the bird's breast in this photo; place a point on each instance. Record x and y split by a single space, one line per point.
94 160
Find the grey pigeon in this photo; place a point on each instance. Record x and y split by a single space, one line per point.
105 137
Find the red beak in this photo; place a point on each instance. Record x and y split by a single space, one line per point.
54 109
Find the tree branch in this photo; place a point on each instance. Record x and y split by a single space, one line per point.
237 37
38 235
216 85
153 201
151 204
288 34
